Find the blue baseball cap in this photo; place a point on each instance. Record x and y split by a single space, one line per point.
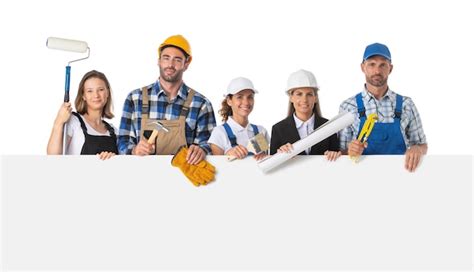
377 49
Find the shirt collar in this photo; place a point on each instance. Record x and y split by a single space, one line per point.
236 126
182 92
299 123
366 95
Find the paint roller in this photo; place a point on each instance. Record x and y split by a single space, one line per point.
70 46
66 45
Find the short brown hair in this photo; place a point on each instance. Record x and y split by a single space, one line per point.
80 104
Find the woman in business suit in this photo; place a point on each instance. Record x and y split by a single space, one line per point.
304 116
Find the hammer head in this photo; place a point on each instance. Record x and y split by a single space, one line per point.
158 125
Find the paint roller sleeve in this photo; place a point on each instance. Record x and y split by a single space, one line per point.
66 45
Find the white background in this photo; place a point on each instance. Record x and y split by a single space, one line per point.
431 44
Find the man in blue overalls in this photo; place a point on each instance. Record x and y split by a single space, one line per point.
398 129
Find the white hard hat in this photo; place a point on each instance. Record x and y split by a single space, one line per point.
301 79
238 84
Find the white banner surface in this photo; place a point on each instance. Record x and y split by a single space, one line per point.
80 213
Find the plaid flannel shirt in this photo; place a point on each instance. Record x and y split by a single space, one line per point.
199 122
410 123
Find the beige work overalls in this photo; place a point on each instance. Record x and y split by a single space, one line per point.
167 143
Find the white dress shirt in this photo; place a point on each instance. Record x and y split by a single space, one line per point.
304 128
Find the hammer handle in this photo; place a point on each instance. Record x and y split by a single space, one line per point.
153 135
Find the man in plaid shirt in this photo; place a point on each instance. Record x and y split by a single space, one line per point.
398 129
187 115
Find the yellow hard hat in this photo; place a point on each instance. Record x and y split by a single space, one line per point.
177 41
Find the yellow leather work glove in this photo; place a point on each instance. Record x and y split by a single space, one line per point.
199 174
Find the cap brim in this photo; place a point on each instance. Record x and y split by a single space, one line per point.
232 93
378 54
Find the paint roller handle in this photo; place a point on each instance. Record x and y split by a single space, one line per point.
67 83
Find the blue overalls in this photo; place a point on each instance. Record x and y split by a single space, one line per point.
385 138
233 139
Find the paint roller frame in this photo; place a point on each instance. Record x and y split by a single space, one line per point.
69 46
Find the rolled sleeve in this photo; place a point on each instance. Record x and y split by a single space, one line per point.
206 122
127 138
346 135
413 126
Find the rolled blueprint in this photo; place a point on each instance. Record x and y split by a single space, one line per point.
332 126
66 45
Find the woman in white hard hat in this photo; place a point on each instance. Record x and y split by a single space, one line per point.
232 138
87 131
304 116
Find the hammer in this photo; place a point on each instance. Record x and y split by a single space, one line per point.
153 135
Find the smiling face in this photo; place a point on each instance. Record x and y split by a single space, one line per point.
95 93
303 100
172 63
241 103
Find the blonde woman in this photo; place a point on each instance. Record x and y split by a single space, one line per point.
87 131
304 116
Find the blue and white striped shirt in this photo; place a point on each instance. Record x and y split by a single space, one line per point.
199 122
410 123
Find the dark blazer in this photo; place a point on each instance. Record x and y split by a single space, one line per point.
285 132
